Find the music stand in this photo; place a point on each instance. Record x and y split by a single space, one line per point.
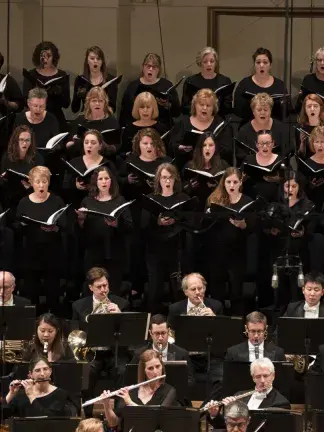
176 376
19 323
315 385
310 333
47 424
284 377
278 420
152 418
117 329
318 420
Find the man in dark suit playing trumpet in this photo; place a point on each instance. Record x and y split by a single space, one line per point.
101 302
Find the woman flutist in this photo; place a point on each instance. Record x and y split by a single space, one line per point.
36 396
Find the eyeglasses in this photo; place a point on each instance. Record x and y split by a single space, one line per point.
256 332
319 60
232 425
151 66
162 333
25 140
165 178
265 143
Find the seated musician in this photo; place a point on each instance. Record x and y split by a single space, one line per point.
313 291
155 393
194 288
236 414
101 302
90 425
36 396
256 346
8 285
264 396
48 341
159 332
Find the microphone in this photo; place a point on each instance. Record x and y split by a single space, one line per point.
256 350
300 277
275 279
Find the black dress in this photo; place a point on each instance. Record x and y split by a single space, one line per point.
32 352
58 94
163 252
199 82
225 257
242 103
106 246
224 140
55 404
314 85
78 102
131 130
100 125
43 131
315 185
136 87
41 253
308 129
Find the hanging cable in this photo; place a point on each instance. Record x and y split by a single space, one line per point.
161 37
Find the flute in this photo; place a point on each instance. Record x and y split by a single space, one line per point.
37 380
213 404
132 387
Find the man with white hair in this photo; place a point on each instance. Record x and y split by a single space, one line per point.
264 396
7 287
236 416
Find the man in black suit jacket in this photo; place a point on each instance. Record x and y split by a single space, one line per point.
194 287
7 287
311 307
255 346
159 332
264 396
97 279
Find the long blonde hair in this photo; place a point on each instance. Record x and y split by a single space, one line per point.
96 93
220 195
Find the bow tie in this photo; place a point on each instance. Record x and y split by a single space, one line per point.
310 308
260 395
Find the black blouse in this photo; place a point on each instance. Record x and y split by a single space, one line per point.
43 131
314 85
12 93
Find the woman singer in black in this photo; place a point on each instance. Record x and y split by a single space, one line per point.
42 252
95 73
225 241
163 235
55 81
105 242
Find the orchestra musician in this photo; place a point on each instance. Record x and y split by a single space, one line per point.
48 341
311 116
260 82
208 77
97 115
36 396
105 242
256 329
145 112
45 59
101 301
42 252
152 82
236 415
264 396
155 393
95 73
159 331
7 288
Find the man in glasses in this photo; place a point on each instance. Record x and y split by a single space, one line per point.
256 346
236 416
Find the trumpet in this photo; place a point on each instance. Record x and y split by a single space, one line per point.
213 404
114 393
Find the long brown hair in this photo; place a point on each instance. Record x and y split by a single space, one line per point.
156 142
303 118
57 346
100 54
13 146
99 137
96 93
220 195
197 161
144 358
93 188
174 173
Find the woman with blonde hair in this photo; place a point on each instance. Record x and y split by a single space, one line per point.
204 118
156 393
97 115
90 425
261 106
151 81
95 73
226 241
145 112
313 83
208 77
42 252
311 116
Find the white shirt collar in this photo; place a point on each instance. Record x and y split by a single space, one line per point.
307 306
164 351
95 301
10 302
190 305
252 347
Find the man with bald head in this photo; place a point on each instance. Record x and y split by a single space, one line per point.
7 287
